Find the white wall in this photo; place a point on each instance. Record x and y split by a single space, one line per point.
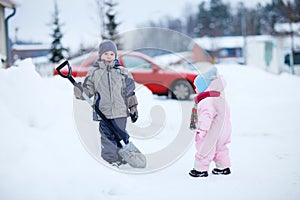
256 55
256 52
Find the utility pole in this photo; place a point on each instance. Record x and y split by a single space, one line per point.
244 33
292 49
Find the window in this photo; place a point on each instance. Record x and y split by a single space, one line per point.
230 52
296 57
135 62
223 53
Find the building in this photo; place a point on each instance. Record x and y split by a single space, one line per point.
223 49
263 51
4 49
29 50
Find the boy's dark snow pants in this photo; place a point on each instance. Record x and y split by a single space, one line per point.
109 143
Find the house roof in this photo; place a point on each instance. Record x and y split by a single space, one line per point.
32 47
213 43
8 3
286 27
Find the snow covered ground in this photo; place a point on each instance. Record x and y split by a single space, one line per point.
43 157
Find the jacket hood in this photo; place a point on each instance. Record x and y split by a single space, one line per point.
218 84
102 64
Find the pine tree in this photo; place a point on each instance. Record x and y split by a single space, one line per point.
203 20
220 18
57 49
110 23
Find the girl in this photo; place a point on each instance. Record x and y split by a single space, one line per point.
211 120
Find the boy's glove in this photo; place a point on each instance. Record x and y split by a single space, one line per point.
134 114
132 104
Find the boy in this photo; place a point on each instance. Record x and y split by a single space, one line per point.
113 89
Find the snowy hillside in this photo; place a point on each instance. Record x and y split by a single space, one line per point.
42 155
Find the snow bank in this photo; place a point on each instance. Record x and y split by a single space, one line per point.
31 99
262 101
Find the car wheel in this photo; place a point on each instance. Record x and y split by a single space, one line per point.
181 90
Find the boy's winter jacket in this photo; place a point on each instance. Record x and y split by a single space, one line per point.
112 87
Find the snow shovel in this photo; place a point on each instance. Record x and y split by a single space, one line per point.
129 152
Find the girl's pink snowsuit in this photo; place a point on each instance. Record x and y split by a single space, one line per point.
214 130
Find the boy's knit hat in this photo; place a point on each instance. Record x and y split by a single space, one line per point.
202 81
107 45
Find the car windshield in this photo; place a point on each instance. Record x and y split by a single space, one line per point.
83 58
135 62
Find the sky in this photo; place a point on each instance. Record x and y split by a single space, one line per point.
80 19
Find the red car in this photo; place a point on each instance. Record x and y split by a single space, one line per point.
177 84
